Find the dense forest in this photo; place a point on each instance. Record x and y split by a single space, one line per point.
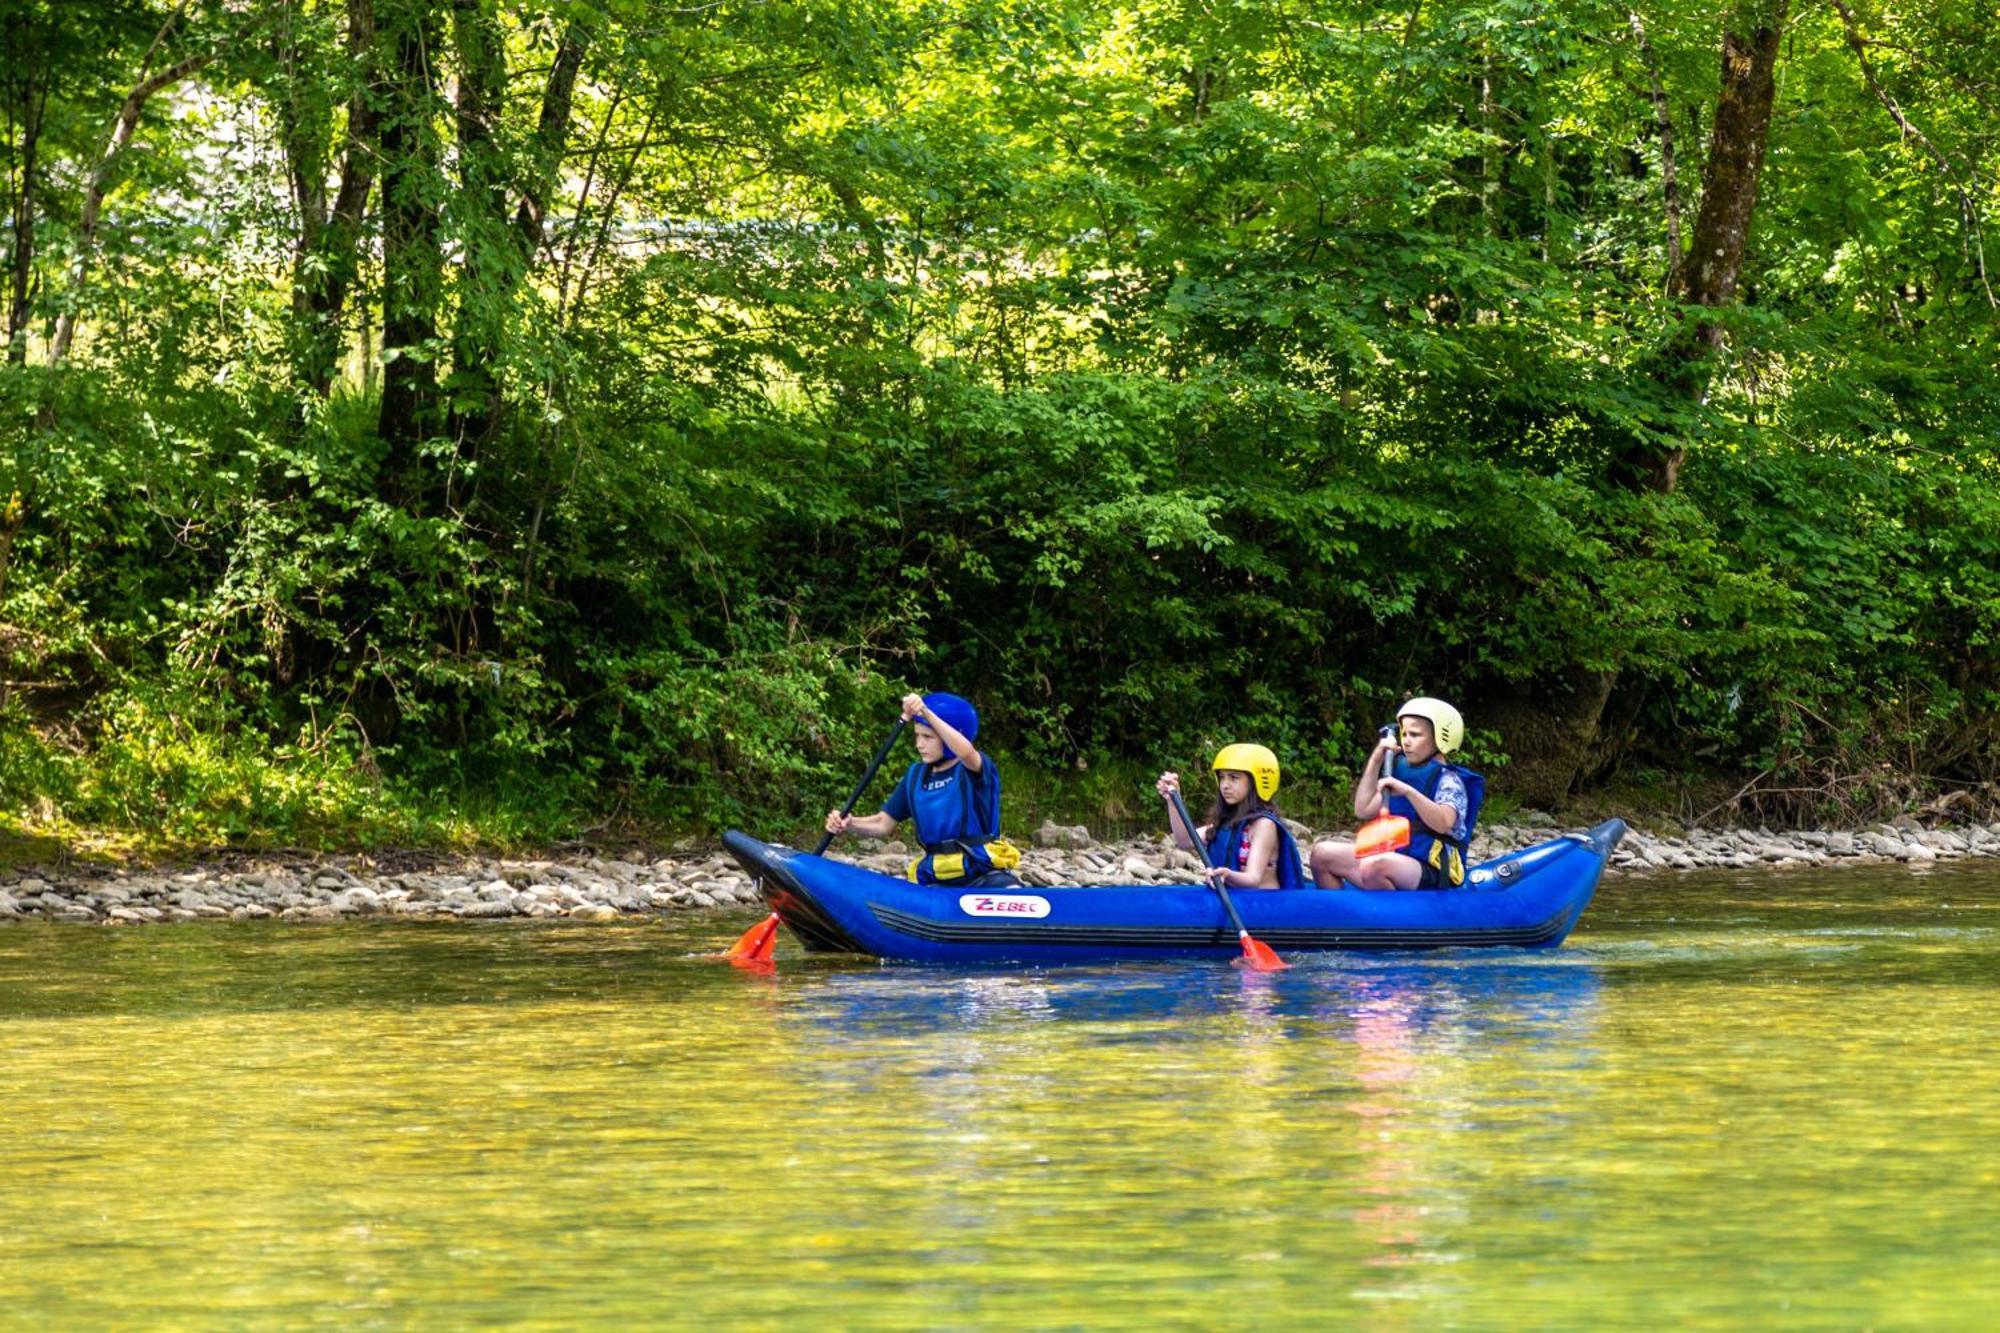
510 415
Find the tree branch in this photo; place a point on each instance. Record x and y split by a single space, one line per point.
1970 210
100 182
558 96
1663 122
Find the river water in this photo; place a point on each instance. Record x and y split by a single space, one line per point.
1732 1100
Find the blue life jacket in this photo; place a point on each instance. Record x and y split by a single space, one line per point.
957 814
1443 856
1226 846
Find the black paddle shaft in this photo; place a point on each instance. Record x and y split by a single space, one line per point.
874 767
1187 822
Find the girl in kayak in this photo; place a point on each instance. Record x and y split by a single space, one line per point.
1248 844
953 794
1439 799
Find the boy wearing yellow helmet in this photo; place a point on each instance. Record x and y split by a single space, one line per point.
1249 846
1439 799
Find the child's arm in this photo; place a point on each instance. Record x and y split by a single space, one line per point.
1168 784
878 825
1368 791
1437 816
954 741
1263 854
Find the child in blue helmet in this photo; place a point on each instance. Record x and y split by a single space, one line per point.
1440 800
953 794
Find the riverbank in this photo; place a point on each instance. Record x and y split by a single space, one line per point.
300 887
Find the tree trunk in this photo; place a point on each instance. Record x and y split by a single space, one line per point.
551 134
21 263
486 236
1552 731
33 102
1663 125
28 86
498 252
326 257
1547 728
412 243
1739 135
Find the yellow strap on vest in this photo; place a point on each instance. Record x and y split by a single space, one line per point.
948 866
1448 863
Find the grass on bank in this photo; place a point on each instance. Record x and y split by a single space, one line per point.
147 790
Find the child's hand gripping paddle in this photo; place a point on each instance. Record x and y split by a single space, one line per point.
1257 955
1385 832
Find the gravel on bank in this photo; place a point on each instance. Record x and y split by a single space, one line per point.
598 888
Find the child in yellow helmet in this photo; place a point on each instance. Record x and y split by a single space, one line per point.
1440 800
1249 846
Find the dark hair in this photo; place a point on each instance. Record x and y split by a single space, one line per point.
1221 816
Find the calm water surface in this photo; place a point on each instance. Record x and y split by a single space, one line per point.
1731 1101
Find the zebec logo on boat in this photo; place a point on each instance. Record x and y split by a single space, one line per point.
1002 904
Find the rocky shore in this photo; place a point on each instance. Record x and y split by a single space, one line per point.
598 888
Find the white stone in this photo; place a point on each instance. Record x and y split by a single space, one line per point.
357 901
1052 834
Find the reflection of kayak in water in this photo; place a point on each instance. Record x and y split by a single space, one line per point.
1526 899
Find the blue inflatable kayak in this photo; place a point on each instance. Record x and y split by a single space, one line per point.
1528 899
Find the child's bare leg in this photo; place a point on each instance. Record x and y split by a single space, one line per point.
1333 862
1391 870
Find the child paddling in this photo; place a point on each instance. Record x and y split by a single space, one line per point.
952 792
1248 844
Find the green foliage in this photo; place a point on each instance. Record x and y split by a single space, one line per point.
182 776
1157 375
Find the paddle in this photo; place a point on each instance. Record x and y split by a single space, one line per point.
1256 954
761 940
1385 832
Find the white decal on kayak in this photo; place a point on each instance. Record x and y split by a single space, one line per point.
1002 904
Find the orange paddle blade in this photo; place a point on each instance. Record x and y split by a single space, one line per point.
1259 956
757 944
1384 833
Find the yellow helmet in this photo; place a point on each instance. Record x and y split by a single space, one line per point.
1258 762
1446 725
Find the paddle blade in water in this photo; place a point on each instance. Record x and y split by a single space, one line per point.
1387 833
757 944
1259 956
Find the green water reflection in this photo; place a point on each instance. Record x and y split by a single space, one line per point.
1731 1101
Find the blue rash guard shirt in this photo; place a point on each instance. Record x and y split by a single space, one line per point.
950 806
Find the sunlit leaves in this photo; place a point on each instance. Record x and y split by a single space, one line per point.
1142 368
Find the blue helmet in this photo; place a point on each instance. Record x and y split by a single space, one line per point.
960 715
